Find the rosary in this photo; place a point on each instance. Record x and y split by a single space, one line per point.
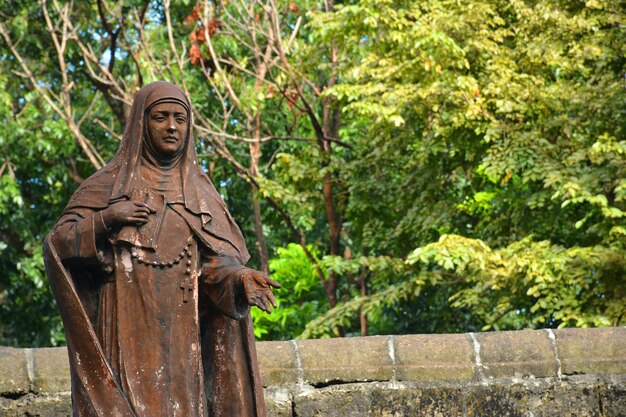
186 285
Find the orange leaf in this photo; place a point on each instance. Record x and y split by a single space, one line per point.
195 54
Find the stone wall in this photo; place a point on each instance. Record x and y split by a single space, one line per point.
569 372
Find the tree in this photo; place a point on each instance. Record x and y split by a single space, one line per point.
501 125
88 79
440 165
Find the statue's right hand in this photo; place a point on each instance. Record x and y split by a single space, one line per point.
126 212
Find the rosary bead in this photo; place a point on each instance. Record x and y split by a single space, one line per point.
162 264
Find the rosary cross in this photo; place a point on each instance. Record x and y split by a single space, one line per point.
186 285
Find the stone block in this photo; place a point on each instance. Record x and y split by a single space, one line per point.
437 357
277 363
410 401
497 400
517 354
341 400
350 359
592 351
13 371
52 370
32 405
380 400
612 400
567 400
278 402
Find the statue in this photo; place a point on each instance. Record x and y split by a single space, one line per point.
147 267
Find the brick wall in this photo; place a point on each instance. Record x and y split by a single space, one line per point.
569 372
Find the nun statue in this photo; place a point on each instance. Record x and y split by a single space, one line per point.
147 267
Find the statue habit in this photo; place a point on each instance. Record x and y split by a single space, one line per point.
147 267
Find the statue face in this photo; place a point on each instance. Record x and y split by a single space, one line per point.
167 127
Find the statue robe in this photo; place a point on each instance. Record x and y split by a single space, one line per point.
166 350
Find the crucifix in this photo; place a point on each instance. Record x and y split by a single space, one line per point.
186 285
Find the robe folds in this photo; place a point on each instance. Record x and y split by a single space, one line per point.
160 326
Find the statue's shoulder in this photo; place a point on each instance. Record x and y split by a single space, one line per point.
95 191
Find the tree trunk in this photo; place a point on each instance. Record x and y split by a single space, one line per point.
254 126
255 157
363 317
330 128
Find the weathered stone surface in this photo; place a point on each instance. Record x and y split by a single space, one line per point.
51 369
277 362
567 400
278 402
341 400
494 400
31 405
360 400
13 371
589 351
517 354
410 401
536 398
347 360
612 400
440 357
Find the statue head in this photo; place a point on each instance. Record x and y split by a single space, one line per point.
166 120
159 131
167 123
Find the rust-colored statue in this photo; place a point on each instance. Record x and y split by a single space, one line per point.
147 267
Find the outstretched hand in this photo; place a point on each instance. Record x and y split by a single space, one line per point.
258 292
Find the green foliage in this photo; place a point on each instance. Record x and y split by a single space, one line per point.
478 175
300 300
530 283
499 121
33 190
40 165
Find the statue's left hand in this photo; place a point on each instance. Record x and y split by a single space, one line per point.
258 292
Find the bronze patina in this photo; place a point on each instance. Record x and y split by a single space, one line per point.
147 267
